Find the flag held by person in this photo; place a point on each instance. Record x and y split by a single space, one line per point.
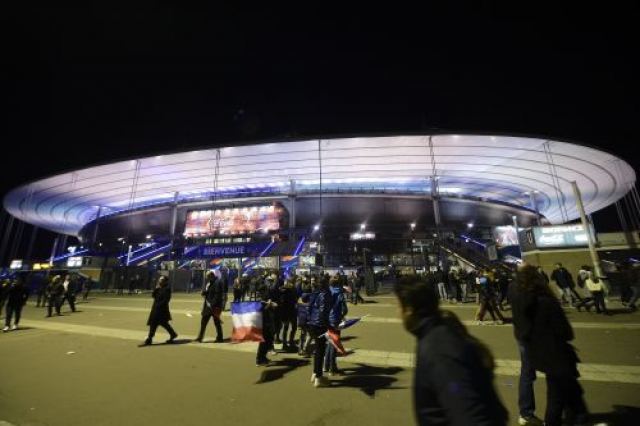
346 323
247 322
333 337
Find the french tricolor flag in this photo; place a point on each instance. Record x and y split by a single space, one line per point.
247 322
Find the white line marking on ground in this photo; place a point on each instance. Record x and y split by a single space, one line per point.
593 372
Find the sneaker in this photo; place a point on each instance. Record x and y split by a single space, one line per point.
263 362
313 377
171 339
532 420
499 322
321 382
14 327
6 328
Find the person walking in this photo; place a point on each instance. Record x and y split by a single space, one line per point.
288 314
160 314
522 301
442 287
318 322
303 315
595 287
453 380
545 332
213 294
4 293
268 325
336 315
17 295
41 292
486 296
69 293
54 292
564 281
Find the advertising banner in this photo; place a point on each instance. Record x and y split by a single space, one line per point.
560 236
234 221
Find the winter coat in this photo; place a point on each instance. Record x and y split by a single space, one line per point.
549 337
287 303
160 309
303 309
319 308
213 296
452 383
17 295
562 277
338 307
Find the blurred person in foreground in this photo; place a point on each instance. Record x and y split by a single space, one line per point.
542 328
453 382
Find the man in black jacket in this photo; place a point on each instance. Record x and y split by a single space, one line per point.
542 327
522 304
213 294
453 381
317 323
54 295
160 314
17 295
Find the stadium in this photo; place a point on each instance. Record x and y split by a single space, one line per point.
380 200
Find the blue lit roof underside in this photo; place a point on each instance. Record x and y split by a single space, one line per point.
496 168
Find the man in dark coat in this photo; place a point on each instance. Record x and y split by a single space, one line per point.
522 303
17 296
542 326
160 314
54 295
317 323
453 380
288 315
70 286
565 283
213 294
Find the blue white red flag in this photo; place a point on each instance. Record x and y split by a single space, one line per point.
333 337
247 322
348 323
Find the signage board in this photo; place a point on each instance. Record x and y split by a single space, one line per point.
74 262
560 236
16 264
234 221
357 236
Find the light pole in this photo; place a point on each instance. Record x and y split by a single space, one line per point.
413 228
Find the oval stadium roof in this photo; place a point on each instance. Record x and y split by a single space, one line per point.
496 168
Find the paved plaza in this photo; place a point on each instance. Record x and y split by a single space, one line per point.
86 368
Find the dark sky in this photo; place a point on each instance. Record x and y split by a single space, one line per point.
97 83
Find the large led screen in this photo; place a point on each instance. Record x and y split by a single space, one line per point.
505 236
233 221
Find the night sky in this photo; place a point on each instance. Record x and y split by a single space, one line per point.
94 84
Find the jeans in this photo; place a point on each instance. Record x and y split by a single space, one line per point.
293 322
330 355
303 338
463 292
526 397
321 343
51 303
564 393
568 295
442 291
11 311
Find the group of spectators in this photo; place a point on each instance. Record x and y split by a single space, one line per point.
313 304
51 292
454 370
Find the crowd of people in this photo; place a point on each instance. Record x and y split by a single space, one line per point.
312 304
454 370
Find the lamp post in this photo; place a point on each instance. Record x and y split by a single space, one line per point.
413 228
